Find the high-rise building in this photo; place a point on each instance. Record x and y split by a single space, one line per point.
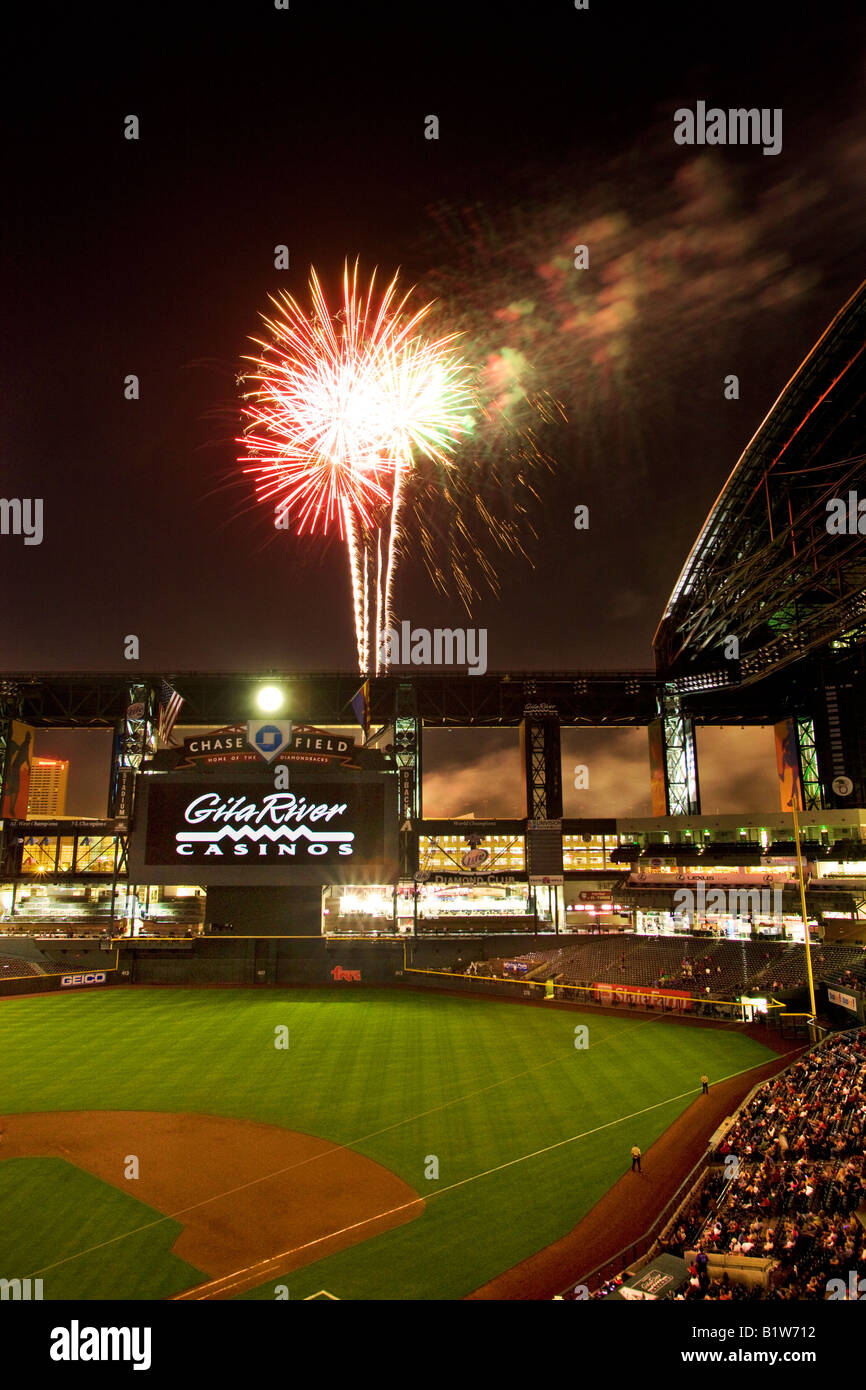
48 787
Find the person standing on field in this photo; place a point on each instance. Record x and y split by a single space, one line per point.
705 1084
635 1158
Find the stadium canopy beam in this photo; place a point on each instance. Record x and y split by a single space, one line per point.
765 570
680 758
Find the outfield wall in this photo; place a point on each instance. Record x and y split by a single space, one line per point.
48 984
280 961
55 960
260 961
287 961
239 960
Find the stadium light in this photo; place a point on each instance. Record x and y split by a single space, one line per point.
269 699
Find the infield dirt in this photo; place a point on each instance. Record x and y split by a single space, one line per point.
244 1192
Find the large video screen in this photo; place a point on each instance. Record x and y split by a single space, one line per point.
209 830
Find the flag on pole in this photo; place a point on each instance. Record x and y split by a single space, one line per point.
361 707
788 765
170 704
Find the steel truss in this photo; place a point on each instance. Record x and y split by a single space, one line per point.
765 570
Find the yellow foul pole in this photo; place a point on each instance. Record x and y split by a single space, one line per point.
803 903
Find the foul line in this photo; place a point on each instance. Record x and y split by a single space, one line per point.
237 1275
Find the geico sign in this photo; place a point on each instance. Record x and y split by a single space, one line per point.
94 979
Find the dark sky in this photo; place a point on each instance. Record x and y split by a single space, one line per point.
306 127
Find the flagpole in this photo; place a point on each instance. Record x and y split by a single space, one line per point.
794 799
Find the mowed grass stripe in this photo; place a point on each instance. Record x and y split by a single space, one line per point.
399 1076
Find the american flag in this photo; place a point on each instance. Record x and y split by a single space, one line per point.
169 708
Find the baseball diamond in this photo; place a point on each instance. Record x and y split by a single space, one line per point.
395 1127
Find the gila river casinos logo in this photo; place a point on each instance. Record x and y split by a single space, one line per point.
280 820
246 823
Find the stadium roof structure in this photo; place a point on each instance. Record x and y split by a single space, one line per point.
764 568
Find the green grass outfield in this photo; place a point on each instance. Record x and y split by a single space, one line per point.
528 1130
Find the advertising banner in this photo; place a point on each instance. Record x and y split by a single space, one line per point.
16 783
788 764
643 996
845 1001
657 768
497 878
265 741
216 830
686 879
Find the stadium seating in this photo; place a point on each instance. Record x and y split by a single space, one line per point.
728 968
801 1175
15 967
78 915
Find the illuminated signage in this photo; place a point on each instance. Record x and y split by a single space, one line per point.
267 740
269 737
216 743
97 978
505 877
641 879
474 858
320 830
281 822
757 1004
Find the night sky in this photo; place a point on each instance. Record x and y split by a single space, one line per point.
305 127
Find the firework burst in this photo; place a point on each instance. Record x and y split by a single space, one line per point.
342 410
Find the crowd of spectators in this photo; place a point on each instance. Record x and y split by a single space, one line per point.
800 1178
